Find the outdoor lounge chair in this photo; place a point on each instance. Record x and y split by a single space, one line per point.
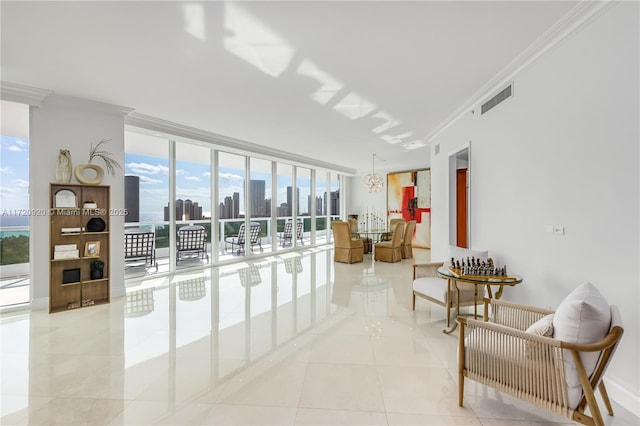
239 240
192 243
140 248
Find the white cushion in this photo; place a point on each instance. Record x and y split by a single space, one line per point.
584 316
542 327
436 288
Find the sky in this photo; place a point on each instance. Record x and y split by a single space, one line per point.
14 180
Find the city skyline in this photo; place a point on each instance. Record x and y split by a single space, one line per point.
193 183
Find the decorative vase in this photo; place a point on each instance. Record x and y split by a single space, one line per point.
97 274
79 172
63 167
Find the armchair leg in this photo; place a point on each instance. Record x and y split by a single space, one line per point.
414 301
592 404
461 357
605 398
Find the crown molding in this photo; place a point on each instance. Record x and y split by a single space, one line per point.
579 16
173 130
23 94
63 101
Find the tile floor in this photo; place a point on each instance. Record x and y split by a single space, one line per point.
288 339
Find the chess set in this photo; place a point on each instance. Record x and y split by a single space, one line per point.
472 267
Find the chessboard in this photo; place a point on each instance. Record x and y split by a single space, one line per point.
458 273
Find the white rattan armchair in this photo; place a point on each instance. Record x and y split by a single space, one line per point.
502 355
427 285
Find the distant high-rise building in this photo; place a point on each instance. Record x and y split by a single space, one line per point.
283 210
319 206
335 203
236 205
227 208
179 209
132 199
185 210
290 201
257 194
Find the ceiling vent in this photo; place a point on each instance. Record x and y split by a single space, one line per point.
493 102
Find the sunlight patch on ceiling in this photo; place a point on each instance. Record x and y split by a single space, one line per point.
354 106
395 139
389 122
193 15
414 144
329 86
254 42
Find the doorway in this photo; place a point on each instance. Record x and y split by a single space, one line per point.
459 203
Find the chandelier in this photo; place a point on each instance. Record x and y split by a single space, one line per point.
373 182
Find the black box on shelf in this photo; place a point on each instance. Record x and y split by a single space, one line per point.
71 276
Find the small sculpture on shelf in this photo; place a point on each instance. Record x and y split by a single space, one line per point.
63 167
97 269
97 152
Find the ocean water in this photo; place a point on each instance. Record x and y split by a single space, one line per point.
4 234
13 226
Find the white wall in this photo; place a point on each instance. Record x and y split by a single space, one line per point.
359 199
72 124
563 151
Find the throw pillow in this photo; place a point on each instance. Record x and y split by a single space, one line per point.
584 316
542 327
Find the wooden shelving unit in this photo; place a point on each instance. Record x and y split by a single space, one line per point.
70 282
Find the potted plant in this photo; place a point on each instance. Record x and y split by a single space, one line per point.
97 269
97 152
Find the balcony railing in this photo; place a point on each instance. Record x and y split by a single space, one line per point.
15 240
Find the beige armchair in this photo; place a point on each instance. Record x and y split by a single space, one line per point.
407 251
392 226
353 227
390 251
521 354
347 249
427 285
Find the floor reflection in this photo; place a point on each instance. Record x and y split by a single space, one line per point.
293 338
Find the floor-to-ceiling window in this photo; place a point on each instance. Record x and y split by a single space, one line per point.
334 187
234 233
147 200
251 205
303 185
284 204
322 197
193 204
14 197
260 199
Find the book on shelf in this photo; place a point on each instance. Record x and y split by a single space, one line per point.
67 254
65 251
75 230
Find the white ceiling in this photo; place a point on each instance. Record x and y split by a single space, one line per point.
333 81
